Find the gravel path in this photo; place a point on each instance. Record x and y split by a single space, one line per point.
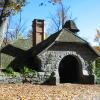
44 92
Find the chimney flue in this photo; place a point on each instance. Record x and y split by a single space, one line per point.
38 31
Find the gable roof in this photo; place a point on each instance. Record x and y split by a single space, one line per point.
63 35
68 36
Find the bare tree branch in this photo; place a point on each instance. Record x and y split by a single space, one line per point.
60 17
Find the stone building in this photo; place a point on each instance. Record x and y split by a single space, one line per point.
63 57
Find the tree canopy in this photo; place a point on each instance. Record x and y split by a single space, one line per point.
8 7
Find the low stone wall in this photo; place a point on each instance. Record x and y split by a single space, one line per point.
39 78
9 79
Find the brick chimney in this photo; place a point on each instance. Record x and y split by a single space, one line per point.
38 31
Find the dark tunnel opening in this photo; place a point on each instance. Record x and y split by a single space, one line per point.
69 70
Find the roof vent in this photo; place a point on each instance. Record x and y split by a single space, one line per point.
70 25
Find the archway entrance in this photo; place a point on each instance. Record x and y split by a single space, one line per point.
69 70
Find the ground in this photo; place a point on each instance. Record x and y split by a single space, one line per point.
45 92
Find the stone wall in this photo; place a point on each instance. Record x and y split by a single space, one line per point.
39 78
51 58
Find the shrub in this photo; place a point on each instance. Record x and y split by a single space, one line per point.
10 72
28 72
97 68
25 72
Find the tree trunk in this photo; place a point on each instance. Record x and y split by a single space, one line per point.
3 29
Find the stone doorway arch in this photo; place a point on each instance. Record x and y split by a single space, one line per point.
69 69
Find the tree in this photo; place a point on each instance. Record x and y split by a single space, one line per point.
7 8
10 7
97 37
15 30
45 2
59 18
29 35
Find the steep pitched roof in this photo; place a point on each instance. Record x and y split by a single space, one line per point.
23 44
63 35
68 36
15 48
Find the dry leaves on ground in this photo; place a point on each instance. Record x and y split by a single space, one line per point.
46 92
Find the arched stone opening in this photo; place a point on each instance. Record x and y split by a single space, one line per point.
69 70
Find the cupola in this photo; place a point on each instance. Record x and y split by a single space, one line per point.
70 25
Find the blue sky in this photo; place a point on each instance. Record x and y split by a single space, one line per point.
86 12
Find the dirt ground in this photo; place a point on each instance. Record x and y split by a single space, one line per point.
46 92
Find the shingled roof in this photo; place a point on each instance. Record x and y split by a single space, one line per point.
64 35
68 36
13 49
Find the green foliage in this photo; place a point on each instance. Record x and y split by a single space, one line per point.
10 72
96 68
25 72
28 72
98 63
91 67
97 72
